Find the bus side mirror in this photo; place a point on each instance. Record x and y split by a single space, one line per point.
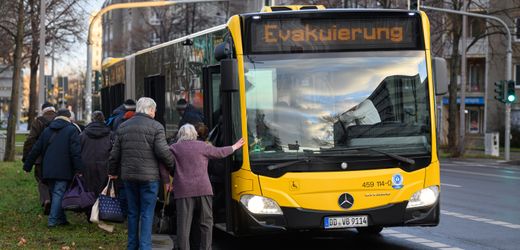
229 75
440 75
222 51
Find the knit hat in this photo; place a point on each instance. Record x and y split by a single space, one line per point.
181 104
64 112
47 106
129 104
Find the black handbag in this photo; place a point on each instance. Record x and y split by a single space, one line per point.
109 206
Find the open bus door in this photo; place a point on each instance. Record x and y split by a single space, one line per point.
154 87
216 109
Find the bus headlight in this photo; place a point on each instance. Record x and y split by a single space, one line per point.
424 197
260 205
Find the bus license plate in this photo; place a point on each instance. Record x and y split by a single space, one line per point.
346 221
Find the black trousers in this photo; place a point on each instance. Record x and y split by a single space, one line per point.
199 209
43 189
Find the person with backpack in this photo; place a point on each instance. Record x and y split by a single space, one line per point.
118 114
60 149
37 127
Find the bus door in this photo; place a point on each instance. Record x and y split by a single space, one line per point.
116 96
219 170
154 87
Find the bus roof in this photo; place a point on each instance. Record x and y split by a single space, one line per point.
200 33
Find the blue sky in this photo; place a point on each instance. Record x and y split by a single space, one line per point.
75 59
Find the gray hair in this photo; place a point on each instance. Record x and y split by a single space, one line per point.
145 105
187 133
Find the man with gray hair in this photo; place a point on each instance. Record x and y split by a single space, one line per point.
139 146
36 129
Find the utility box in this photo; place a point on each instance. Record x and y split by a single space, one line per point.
492 145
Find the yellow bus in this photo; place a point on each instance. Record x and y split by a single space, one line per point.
337 107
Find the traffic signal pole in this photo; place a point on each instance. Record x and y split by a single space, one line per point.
100 13
509 55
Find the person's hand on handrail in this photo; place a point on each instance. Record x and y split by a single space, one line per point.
238 144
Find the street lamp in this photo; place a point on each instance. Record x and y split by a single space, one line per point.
88 84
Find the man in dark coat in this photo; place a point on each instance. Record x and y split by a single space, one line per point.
60 149
189 113
139 147
95 150
37 127
119 112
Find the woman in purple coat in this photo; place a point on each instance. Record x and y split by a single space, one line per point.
192 185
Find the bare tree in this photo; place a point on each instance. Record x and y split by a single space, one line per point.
64 27
11 127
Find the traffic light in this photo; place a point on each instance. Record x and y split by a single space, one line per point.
499 91
510 92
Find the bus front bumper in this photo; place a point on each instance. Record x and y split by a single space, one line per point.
298 219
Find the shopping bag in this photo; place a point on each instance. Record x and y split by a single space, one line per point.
109 206
76 198
94 213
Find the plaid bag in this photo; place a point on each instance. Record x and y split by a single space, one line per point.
109 206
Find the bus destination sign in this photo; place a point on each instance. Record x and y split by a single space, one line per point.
320 35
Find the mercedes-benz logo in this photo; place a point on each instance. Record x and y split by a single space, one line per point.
346 201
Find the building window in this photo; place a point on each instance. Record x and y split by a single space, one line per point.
476 77
474 121
517 75
154 39
154 18
477 27
517 29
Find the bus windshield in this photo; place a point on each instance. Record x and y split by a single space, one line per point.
321 101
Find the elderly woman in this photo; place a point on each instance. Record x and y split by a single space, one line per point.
192 186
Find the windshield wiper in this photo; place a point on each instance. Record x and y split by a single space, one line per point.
391 155
287 164
410 161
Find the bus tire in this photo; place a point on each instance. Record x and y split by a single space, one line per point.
372 230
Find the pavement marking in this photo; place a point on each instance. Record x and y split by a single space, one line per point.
481 174
450 185
480 219
454 164
418 240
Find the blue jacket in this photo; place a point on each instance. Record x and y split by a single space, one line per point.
192 116
62 159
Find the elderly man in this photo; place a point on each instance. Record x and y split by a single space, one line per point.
139 147
37 127
60 150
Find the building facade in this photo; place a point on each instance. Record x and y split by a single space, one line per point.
6 83
509 12
127 31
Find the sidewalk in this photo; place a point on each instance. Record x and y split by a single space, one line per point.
162 242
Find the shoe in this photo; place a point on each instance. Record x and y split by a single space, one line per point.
47 207
66 223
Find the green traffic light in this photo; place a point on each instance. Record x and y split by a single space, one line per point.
511 98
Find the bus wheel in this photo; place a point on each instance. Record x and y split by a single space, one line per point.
373 230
